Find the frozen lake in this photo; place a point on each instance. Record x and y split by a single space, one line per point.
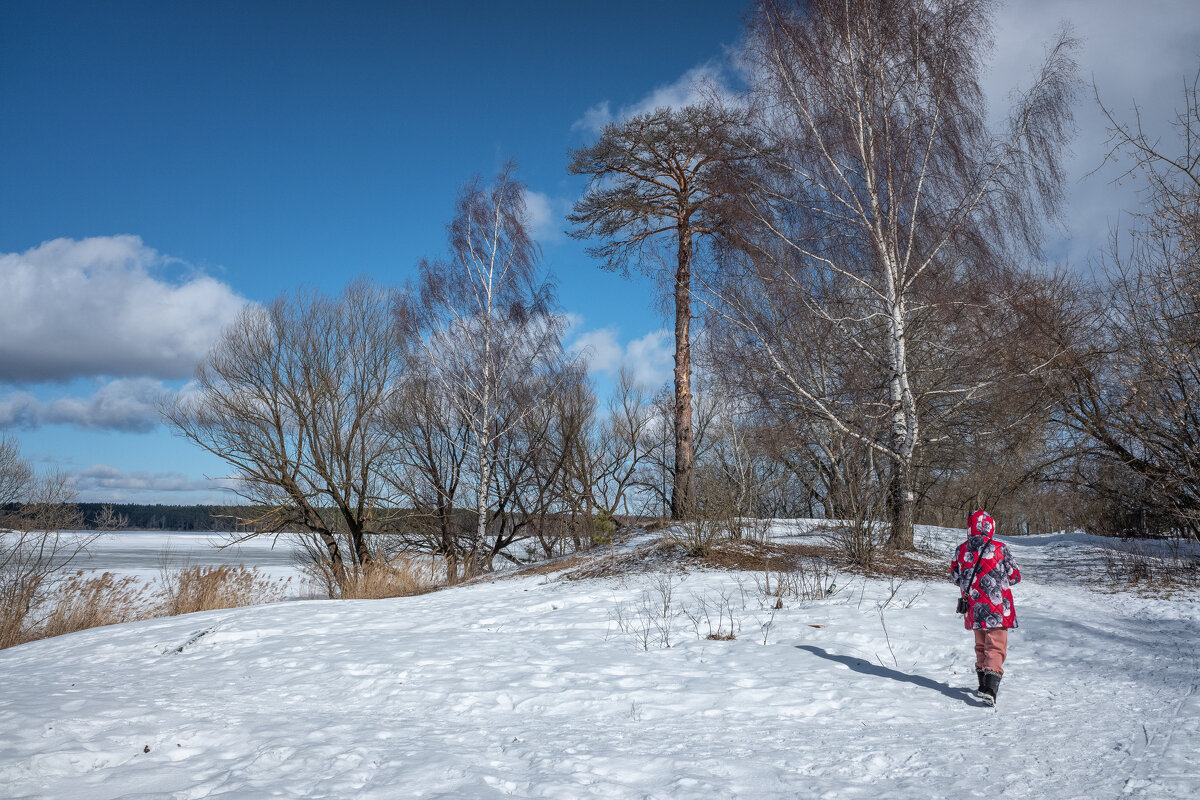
147 552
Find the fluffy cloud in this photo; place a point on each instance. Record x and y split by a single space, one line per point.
105 483
547 216
105 306
601 349
125 404
1145 57
649 359
695 85
652 357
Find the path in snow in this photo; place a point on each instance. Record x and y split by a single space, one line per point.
524 688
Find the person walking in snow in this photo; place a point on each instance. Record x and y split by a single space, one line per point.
983 569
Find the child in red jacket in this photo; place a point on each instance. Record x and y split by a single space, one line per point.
983 569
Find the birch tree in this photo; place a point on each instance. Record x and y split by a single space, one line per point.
485 325
883 202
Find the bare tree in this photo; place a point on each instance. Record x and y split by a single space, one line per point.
109 520
604 466
883 201
293 398
485 324
662 174
433 441
1130 392
36 515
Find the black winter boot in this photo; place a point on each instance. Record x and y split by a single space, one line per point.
991 687
982 682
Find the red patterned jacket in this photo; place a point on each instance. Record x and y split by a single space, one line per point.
990 600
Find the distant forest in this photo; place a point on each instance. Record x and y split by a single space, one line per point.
166 518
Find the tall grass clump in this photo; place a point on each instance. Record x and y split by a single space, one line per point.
80 602
398 576
192 589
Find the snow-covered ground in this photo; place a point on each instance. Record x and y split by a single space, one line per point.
527 687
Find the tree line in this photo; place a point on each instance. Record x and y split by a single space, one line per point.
866 327
865 324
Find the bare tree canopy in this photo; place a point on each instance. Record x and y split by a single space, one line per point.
1130 391
882 208
483 322
293 398
35 512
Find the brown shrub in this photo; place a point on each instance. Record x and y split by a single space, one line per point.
81 602
194 589
399 576
17 599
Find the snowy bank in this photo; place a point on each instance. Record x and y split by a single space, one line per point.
528 687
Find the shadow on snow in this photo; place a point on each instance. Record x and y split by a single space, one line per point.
876 671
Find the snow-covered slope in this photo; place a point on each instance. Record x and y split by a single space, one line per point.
527 687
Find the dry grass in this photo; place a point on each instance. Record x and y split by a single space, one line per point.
193 589
557 564
752 556
16 601
1157 569
81 602
399 576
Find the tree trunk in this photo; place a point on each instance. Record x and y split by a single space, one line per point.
359 539
335 557
683 490
904 414
902 505
449 546
481 509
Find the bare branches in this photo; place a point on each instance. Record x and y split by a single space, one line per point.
879 204
37 516
484 326
292 397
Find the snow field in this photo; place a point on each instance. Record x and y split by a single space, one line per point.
526 687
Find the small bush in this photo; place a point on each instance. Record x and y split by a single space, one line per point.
399 576
194 589
1158 564
859 541
603 528
698 538
798 580
17 599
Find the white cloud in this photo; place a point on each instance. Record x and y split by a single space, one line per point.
103 306
595 118
1143 55
694 86
125 404
601 349
650 359
102 482
547 216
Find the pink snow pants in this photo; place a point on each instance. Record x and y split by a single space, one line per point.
991 648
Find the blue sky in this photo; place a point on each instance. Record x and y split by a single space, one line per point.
161 163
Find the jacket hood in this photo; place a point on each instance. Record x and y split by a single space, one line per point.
982 528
